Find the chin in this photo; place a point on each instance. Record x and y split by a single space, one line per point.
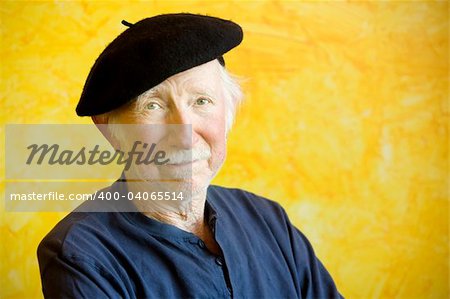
190 181
190 188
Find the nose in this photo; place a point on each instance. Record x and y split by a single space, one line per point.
180 130
179 116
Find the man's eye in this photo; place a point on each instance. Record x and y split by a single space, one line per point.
153 106
202 101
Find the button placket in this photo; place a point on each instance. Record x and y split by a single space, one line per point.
220 260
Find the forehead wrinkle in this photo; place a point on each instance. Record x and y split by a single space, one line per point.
202 80
169 90
177 87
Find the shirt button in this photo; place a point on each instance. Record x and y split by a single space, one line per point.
219 261
201 244
212 224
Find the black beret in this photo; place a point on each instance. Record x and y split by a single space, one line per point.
149 52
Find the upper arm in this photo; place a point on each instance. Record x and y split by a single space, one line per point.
313 280
77 278
309 275
317 282
75 268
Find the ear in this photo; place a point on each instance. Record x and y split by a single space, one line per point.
102 124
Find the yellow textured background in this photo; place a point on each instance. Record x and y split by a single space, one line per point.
345 124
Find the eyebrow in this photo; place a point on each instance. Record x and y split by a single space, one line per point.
151 91
202 89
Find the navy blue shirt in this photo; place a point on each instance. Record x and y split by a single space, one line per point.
128 255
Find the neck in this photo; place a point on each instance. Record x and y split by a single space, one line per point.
189 217
186 214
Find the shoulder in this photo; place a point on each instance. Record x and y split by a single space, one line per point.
257 213
69 235
247 205
241 197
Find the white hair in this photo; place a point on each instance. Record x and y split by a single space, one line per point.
233 95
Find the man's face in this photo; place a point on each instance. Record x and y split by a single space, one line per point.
194 97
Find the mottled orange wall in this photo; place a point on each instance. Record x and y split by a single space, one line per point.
345 124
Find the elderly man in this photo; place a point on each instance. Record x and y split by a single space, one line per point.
216 242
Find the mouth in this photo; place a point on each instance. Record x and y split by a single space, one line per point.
181 164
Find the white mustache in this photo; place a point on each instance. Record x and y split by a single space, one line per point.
187 156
